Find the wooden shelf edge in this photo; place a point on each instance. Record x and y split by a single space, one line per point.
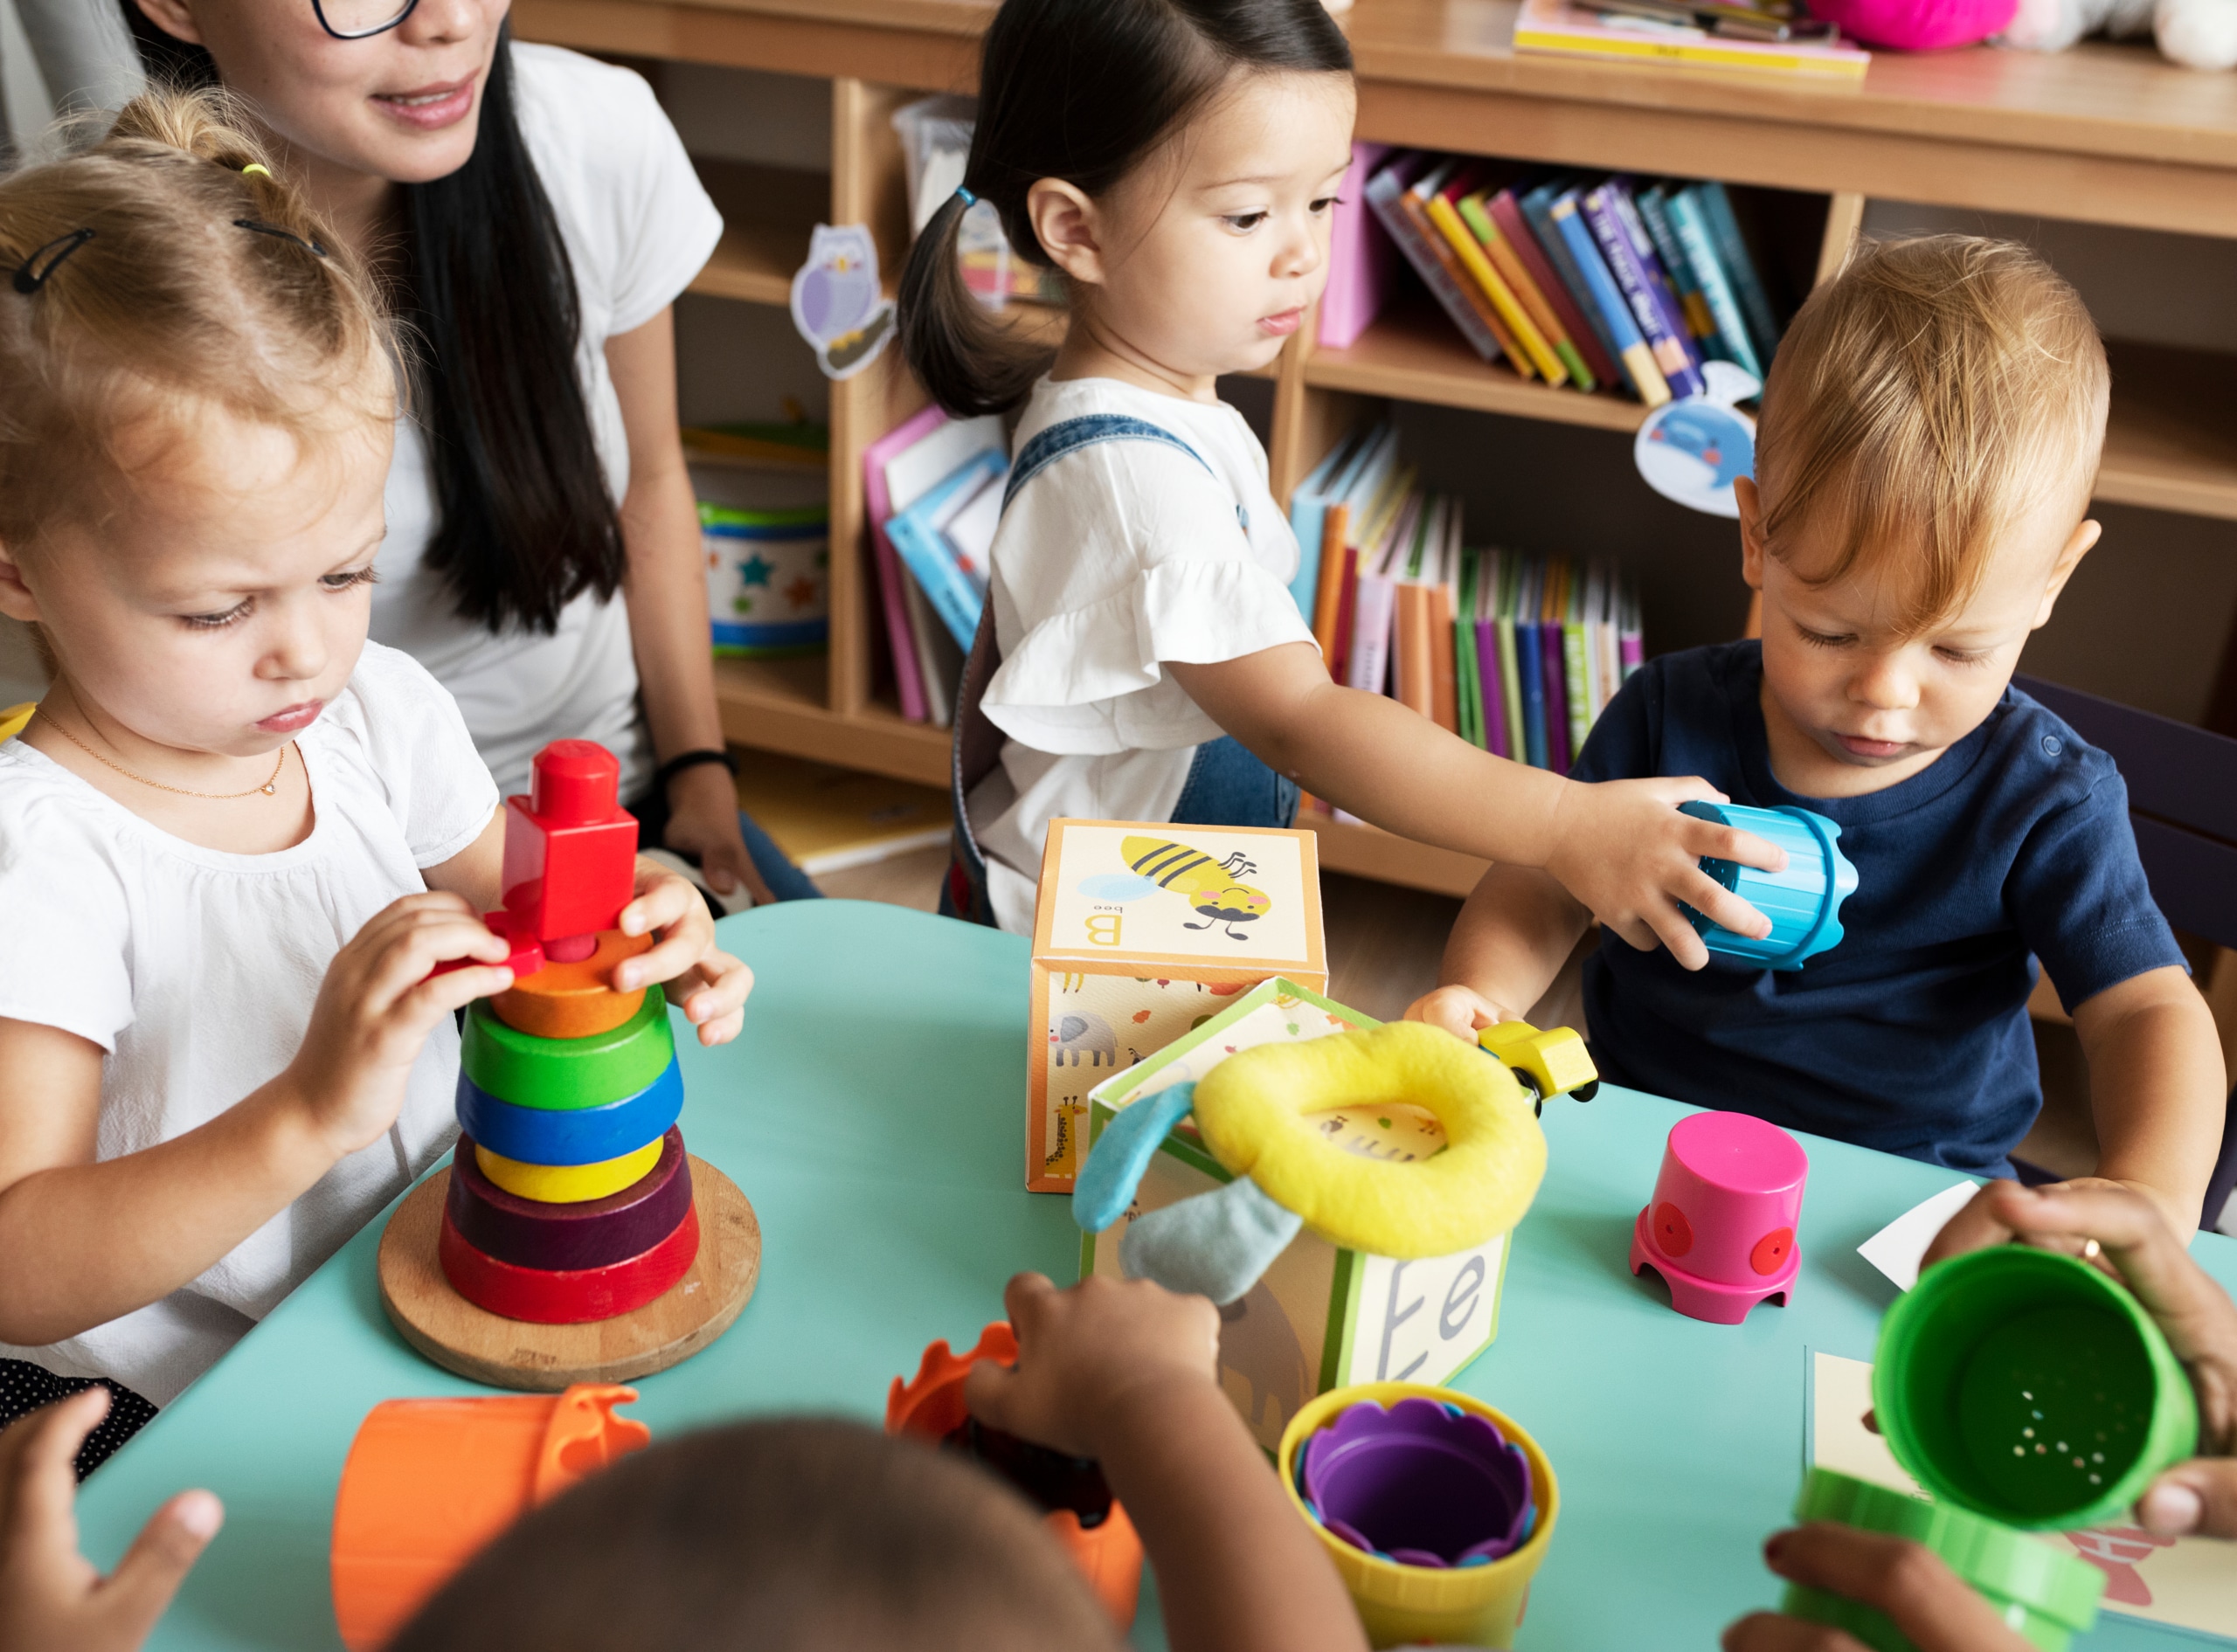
744 285
875 742
2215 498
1369 851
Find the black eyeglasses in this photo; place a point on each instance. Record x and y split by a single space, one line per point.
361 19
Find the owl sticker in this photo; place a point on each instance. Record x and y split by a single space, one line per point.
838 303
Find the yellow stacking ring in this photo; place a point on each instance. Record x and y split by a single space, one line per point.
1256 1112
568 1184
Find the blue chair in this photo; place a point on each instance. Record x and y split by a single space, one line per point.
2183 803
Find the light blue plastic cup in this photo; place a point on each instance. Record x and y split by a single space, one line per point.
1803 903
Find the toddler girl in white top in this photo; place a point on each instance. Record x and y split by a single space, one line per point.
1176 162
236 837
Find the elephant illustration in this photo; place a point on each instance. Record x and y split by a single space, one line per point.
1083 1032
1258 1344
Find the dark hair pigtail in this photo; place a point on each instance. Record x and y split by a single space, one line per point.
960 353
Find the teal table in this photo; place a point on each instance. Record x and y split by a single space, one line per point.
873 1111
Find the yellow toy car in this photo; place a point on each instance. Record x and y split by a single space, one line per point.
1554 1062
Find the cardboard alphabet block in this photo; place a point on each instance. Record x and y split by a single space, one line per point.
1142 932
1321 1316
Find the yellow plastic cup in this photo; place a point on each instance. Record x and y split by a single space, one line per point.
1402 1605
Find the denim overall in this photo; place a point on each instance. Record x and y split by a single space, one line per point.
1226 785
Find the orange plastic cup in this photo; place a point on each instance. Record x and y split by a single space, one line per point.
1109 1554
428 1482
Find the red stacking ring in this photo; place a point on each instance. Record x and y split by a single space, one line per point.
571 1297
596 1233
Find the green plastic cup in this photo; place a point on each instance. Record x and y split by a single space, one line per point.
2048 1597
2030 1387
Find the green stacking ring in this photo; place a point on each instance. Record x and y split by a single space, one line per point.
2048 1597
515 1067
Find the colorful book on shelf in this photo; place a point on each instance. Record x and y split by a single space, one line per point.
1367 660
1537 205
1362 260
1578 30
1470 687
1357 511
1598 208
1620 192
1308 514
1443 207
896 470
1387 198
1505 210
1415 203
1740 267
1630 346
1475 212
1576 676
1654 209
1530 662
1551 613
1690 224
1508 585
1444 659
939 660
917 535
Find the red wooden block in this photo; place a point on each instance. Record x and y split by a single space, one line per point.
572 1298
571 849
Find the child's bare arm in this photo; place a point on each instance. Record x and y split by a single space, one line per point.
2156 1089
1510 942
87 1241
1126 1374
1621 846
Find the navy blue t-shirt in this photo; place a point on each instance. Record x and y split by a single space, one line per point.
1911 1035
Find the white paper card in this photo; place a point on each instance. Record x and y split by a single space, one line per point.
1895 1249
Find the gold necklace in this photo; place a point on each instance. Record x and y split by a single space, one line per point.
268 788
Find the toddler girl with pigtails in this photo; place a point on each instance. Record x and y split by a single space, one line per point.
1175 160
236 837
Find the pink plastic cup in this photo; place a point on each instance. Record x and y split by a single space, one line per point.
1721 1229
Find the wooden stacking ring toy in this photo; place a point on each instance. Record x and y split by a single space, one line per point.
575 999
595 1233
570 1296
528 1071
429 1482
1255 1110
570 1135
567 1184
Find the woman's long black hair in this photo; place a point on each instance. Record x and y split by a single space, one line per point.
524 522
1084 91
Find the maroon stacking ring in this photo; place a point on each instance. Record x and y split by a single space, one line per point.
596 1233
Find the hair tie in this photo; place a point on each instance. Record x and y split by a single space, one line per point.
256 170
965 197
261 228
30 274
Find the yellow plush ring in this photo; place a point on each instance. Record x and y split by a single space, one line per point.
1254 1110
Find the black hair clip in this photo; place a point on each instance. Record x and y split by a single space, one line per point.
30 274
262 228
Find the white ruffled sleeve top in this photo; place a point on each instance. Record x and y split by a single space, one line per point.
1114 559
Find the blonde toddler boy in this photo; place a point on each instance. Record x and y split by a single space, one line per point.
1930 433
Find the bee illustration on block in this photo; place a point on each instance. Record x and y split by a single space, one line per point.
1211 887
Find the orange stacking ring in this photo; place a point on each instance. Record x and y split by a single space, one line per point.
573 1296
575 999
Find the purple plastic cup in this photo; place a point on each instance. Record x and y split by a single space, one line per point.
1423 1483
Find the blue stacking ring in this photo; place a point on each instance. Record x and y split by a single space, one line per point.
572 1136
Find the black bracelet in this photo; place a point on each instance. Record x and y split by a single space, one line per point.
676 764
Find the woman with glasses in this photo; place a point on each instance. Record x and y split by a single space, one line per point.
536 215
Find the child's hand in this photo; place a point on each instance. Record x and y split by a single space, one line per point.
51 1599
1084 1355
376 1007
709 985
1460 1010
1628 854
1936 1610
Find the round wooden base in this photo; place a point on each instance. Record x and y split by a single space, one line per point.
509 1353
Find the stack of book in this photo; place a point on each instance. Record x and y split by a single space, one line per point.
1590 283
1517 655
933 488
1774 35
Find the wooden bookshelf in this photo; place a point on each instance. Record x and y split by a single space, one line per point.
2104 134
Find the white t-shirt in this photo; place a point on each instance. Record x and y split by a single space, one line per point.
195 970
1113 559
638 227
